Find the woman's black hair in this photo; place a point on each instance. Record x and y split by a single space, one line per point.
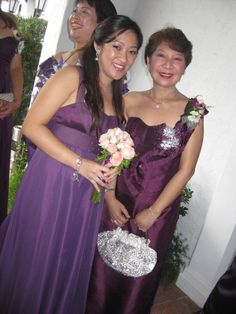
106 32
176 40
7 19
104 8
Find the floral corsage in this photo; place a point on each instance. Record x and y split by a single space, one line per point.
195 112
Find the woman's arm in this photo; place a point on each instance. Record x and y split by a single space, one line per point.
175 186
59 91
16 74
117 211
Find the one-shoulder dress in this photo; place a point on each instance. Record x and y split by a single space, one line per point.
47 254
159 151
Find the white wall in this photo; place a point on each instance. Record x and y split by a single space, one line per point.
127 7
56 36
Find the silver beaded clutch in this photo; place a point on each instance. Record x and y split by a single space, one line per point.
6 96
126 252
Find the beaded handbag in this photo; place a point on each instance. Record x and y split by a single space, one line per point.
126 252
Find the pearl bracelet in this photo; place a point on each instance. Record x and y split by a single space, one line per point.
76 173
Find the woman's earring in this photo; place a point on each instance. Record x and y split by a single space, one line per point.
96 58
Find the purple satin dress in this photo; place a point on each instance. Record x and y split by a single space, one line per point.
8 46
222 299
159 151
49 245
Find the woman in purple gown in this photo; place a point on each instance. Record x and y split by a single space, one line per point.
81 24
167 129
222 299
11 81
47 254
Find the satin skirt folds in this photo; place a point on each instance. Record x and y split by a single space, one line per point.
49 246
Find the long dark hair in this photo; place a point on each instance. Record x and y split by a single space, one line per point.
106 32
7 19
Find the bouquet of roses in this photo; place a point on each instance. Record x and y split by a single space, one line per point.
117 149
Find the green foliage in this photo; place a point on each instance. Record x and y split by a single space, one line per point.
185 198
32 30
177 251
17 173
175 259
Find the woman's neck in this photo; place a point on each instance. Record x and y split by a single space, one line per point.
162 93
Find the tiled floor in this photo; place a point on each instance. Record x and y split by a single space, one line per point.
171 300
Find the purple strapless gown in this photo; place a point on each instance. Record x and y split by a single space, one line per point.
49 245
8 47
159 150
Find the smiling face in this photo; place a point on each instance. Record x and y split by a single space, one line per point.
166 65
116 57
82 23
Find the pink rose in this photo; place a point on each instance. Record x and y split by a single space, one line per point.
111 148
113 140
120 146
128 153
116 159
104 143
103 137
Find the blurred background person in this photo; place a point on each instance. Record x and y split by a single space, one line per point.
11 87
81 24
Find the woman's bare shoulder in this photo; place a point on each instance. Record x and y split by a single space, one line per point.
134 96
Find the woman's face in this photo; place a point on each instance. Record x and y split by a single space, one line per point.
166 65
82 23
116 57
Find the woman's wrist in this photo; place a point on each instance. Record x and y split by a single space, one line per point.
153 212
109 190
76 173
16 105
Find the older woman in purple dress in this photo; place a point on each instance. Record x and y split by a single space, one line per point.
167 129
82 22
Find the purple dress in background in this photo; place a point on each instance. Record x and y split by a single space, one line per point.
159 151
8 46
49 246
222 299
